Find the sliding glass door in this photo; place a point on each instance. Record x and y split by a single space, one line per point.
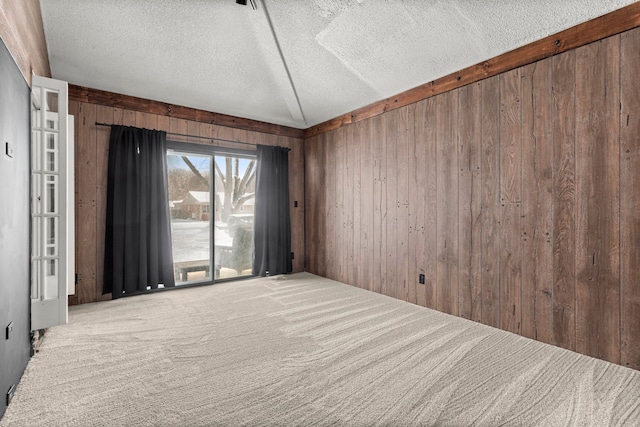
211 199
189 202
234 201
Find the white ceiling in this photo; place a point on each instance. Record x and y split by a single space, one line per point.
339 55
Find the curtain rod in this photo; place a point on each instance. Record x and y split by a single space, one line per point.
199 137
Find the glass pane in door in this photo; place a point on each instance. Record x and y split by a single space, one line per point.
234 202
189 204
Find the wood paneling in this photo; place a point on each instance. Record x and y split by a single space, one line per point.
446 222
312 178
366 199
296 192
92 150
355 177
490 207
413 211
379 205
162 109
359 229
402 205
103 115
417 202
326 213
537 201
390 218
86 202
564 202
607 25
469 199
430 227
510 201
521 195
630 200
22 31
336 197
349 207
598 200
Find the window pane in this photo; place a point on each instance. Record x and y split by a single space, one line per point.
51 110
51 236
51 278
189 198
234 201
51 267
51 190
52 101
51 152
51 141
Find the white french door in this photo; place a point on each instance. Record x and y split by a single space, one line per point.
52 226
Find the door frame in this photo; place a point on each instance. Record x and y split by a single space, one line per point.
187 148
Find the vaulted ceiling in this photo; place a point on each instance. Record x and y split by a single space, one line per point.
293 63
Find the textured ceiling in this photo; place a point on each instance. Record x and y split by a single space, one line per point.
339 55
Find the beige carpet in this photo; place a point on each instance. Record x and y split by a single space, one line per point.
301 350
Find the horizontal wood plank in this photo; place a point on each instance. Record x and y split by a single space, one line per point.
111 99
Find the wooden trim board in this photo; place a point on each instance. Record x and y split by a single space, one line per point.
111 99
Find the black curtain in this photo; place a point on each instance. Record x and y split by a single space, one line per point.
138 235
272 225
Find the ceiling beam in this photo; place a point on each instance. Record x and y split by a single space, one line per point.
281 69
110 99
596 29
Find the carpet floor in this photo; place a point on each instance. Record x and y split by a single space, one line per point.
301 350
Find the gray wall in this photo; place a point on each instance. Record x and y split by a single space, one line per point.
14 224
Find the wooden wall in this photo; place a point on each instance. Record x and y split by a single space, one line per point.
517 197
91 156
22 31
